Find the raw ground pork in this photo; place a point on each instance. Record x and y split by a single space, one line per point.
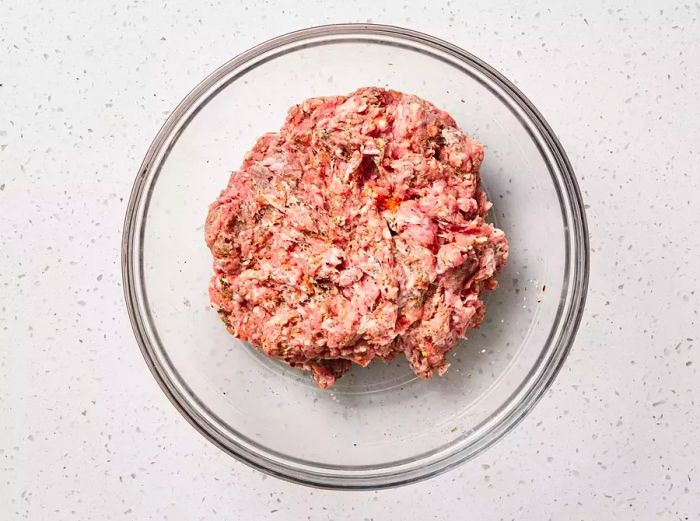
356 232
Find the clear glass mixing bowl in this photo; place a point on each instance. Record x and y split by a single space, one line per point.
379 426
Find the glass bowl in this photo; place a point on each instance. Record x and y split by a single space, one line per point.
379 426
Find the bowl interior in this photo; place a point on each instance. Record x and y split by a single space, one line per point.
381 417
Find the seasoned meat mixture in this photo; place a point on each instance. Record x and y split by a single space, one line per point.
356 232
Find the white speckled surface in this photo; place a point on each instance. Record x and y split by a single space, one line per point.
85 432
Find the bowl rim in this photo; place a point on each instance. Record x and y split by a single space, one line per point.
577 279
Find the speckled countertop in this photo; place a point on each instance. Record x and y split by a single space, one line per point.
85 432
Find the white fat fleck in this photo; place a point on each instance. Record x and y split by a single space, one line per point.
370 150
451 135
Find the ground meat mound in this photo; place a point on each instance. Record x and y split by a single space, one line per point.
356 232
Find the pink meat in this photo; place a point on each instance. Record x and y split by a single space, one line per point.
356 232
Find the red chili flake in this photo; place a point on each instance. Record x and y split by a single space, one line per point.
387 203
